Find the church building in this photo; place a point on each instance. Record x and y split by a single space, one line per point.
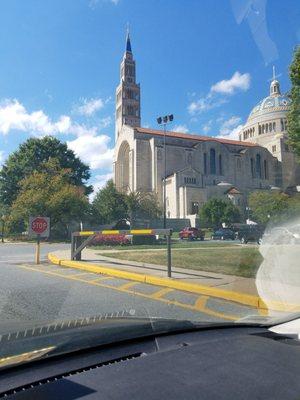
200 167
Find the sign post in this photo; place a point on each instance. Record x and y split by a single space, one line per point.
38 227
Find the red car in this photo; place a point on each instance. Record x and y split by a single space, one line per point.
191 234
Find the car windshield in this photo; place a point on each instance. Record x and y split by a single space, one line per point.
149 165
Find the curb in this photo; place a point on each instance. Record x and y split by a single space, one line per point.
241 298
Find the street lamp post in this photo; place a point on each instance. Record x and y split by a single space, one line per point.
164 121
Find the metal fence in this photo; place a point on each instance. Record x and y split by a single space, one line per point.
83 238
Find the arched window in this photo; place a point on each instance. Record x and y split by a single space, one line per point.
263 128
274 126
270 127
267 126
220 165
212 161
258 166
282 126
259 129
266 172
252 167
205 163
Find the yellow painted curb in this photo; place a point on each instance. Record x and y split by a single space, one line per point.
241 298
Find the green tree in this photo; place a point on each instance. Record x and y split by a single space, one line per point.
29 158
268 206
218 211
293 116
109 205
143 205
48 192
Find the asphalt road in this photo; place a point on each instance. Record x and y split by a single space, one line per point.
33 294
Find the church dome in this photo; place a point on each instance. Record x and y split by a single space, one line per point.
270 104
269 116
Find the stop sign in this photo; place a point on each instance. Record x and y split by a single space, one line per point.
39 226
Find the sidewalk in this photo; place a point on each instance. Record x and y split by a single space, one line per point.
220 286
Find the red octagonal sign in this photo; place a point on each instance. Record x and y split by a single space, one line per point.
39 226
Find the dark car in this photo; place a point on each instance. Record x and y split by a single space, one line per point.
191 234
249 234
223 234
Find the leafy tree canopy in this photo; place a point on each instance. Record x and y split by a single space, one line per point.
218 211
111 205
273 206
30 156
293 117
48 192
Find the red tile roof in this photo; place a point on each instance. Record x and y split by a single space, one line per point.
199 138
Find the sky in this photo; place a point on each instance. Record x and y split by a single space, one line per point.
208 62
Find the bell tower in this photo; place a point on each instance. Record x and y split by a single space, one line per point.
128 105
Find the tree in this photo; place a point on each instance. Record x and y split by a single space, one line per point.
266 206
109 204
143 205
293 117
218 211
29 158
48 192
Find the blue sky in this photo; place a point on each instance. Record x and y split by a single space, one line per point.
208 62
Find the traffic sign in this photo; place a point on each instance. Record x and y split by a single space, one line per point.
39 226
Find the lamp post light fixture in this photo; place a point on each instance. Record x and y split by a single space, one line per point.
164 121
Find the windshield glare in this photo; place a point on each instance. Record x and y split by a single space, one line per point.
149 171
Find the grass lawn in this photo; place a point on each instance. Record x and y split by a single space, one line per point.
240 260
175 244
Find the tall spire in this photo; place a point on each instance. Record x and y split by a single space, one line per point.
128 103
128 44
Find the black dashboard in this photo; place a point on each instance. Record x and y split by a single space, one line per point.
232 363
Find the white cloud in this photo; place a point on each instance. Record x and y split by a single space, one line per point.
219 92
238 81
205 103
89 106
105 122
230 128
181 129
13 115
100 181
93 150
93 3
207 127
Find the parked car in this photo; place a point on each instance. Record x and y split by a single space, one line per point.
249 233
223 234
191 233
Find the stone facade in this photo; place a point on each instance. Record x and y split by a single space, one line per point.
200 167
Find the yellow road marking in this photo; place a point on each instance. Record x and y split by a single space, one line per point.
128 285
147 296
82 273
200 303
160 293
100 279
